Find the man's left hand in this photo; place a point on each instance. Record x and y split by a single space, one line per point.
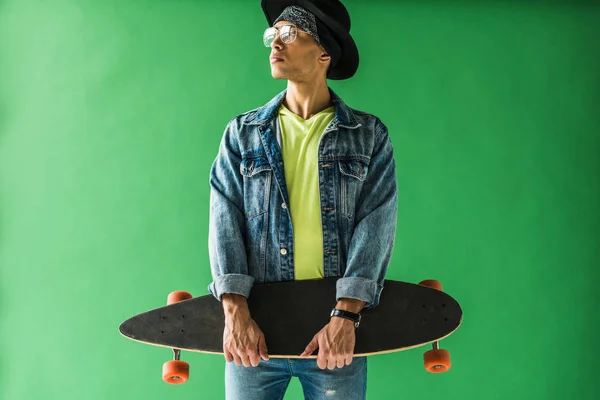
335 342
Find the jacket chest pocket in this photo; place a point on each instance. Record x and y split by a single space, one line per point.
352 175
257 175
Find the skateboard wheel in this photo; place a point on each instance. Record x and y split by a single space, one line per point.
437 361
176 297
432 283
176 372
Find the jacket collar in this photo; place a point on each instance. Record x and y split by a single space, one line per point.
265 114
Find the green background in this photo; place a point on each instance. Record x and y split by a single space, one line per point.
111 113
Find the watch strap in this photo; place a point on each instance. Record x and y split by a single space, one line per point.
354 317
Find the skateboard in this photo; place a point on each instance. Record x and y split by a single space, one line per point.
290 313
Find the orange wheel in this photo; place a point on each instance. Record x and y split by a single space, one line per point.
437 360
432 283
176 297
176 372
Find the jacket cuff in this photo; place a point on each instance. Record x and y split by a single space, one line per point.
231 283
358 288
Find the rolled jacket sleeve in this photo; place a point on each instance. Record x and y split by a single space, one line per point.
226 237
372 243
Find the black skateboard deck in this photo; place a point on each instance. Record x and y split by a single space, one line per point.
291 313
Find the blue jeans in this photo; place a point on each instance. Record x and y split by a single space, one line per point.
270 379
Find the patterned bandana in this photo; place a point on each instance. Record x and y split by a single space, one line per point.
303 19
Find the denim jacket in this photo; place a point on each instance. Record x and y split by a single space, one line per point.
250 228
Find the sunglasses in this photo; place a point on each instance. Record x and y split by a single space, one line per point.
287 33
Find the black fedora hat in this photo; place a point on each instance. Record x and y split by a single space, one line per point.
332 20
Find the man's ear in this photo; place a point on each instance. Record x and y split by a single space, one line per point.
325 54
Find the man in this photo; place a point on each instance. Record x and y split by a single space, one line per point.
331 211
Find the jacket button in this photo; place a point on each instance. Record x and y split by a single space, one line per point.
283 251
283 205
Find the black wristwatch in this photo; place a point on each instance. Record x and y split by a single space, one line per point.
348 315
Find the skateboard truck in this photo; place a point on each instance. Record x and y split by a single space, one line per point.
176 353
176 371
436 360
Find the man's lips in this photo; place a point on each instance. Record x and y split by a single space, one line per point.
276 59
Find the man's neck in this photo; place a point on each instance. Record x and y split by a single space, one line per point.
306 100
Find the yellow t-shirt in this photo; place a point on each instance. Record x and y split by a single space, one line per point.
299 143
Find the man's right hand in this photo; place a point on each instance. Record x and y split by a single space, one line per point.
243 341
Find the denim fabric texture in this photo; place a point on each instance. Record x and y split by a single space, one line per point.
270 379
250 228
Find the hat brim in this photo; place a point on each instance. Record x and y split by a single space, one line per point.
348 64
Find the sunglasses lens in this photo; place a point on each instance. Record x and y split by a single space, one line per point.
287 33
269 36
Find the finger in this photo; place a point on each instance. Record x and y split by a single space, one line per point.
253 356
262 348
340 360
349 359
245 359
236 359
227 354
321 359
331 362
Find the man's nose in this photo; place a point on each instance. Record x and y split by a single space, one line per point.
277 42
